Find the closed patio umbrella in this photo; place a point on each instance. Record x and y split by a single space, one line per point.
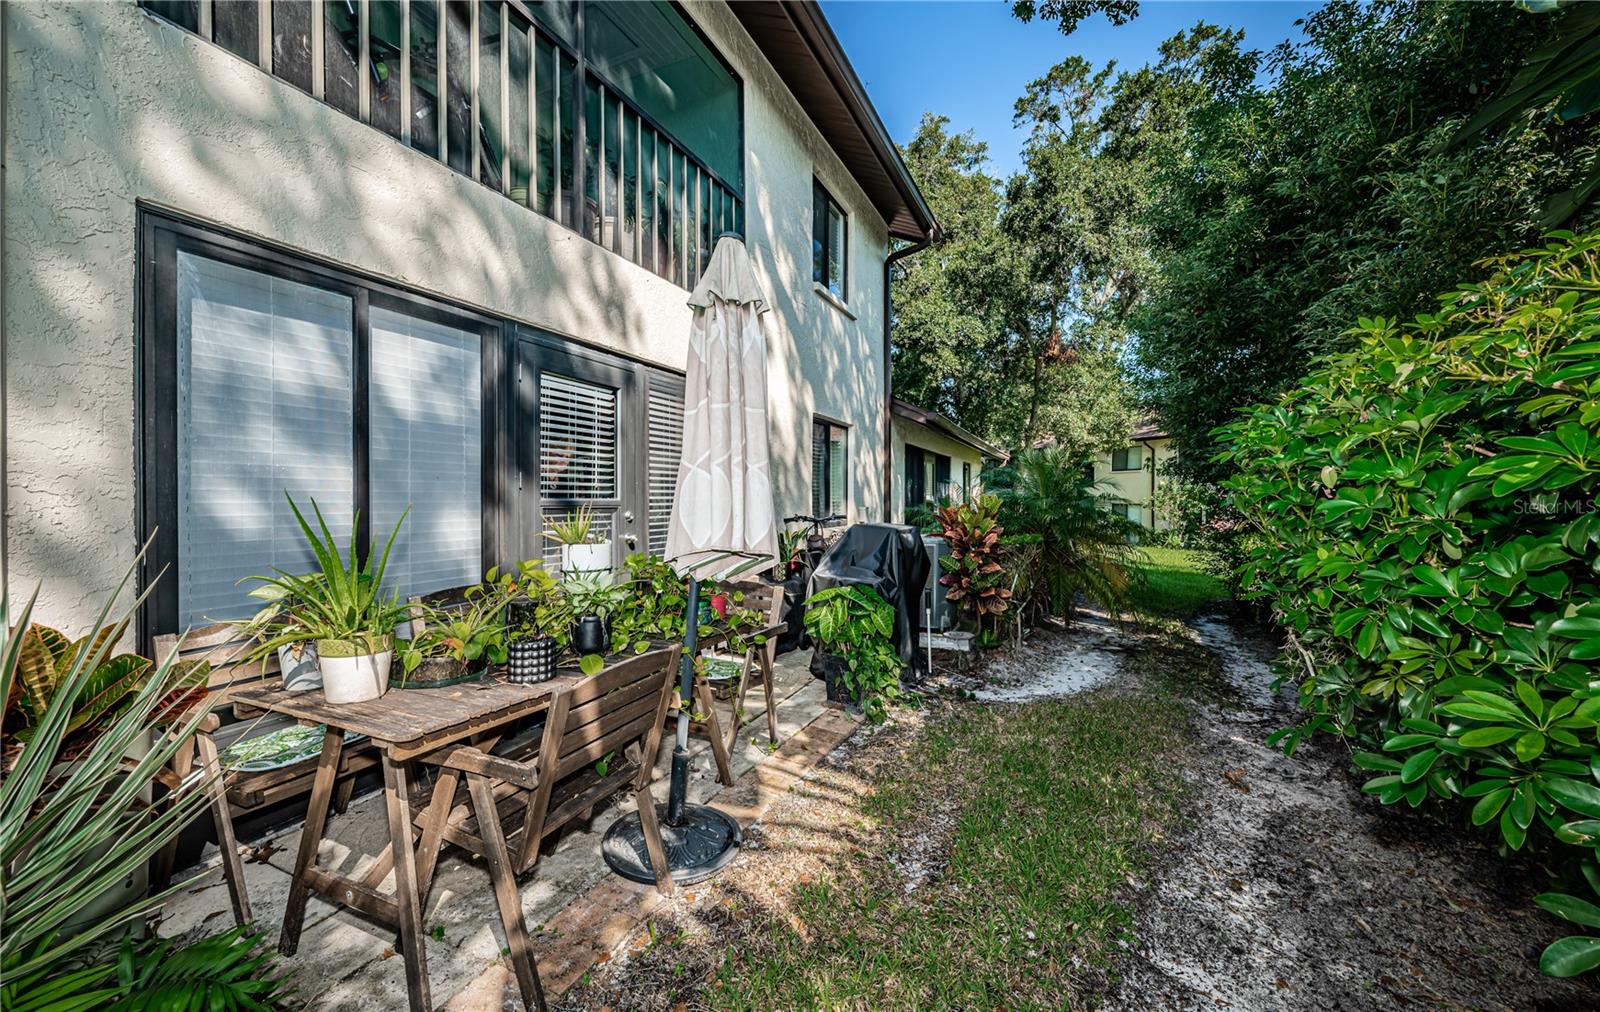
723 524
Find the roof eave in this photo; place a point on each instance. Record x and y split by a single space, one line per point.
913 220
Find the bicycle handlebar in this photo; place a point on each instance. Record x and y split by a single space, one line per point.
800 518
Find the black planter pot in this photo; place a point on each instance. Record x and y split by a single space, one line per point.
831 669
531 659
794 635
590 635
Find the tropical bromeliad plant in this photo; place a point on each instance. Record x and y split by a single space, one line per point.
976 582
1431 541
74 827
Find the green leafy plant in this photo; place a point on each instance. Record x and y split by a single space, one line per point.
976 581
232 970
74 827
593 594
1431 542
1084 547
856 624
577 529
654 609
468 634
342 606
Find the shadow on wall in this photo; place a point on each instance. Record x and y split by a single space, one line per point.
111 106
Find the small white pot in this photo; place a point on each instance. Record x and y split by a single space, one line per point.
355 679
586 558
300 674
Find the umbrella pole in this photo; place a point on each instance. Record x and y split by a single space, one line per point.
680 752
698 839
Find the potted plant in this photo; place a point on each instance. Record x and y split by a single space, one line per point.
591 598
535 620
341 608
454 644
582 547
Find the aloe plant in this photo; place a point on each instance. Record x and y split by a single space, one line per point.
342 601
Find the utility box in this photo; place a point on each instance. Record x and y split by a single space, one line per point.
935 605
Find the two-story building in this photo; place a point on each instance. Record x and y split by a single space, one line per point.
391 253
1129 475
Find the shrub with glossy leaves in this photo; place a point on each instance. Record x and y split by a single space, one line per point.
1432 544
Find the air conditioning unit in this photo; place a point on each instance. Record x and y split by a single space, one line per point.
936 609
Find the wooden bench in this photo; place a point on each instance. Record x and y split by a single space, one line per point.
227 652
511 800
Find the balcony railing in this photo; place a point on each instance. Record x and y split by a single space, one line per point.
510 117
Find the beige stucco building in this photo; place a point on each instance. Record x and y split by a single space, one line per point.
1130 475
934 458
419 254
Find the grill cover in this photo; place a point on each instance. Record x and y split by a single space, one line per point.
891 560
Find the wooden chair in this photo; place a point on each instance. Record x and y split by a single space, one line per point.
225 650
511 801
451 599
766 599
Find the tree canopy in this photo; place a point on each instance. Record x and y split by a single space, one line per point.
1185 238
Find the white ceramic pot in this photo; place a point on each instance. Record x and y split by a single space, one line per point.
586 558
300 674
354 679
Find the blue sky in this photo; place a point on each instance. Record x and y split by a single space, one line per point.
970 59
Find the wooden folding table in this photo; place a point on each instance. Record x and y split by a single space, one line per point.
403 724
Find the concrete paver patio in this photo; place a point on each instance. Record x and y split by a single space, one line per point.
352 964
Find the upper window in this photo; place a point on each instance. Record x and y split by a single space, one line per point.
651 55
643 153
827 469
829 241
1125 459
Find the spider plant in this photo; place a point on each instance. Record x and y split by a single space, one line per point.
73 825
342 605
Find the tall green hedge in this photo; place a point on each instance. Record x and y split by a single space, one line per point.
1433 545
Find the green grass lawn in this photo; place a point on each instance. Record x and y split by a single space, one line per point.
1171 583
1055 805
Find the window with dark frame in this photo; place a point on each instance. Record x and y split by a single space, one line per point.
830 262
1125 459
260 372
828 482
260 376
628 102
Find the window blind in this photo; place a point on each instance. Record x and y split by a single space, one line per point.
264 406
577 439
665 424
425 431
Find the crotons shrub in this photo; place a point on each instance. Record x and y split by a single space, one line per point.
976 581
1432 545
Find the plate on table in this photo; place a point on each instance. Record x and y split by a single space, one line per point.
277 749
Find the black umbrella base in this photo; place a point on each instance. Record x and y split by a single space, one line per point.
698 849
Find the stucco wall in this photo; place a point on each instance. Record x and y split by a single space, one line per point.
109 106
1134 486
906 432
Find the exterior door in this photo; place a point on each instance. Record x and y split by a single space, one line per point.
579 445
916 485
593 430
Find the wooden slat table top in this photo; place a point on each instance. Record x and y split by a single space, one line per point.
411 720
402 717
